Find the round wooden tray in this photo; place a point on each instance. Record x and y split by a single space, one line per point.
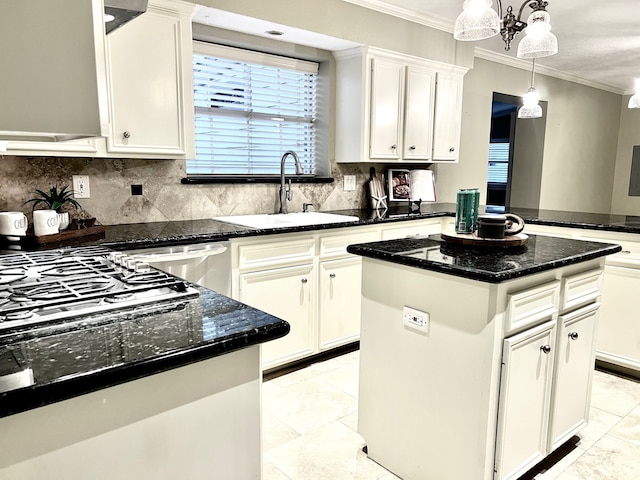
516 240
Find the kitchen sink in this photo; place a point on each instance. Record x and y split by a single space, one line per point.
284 220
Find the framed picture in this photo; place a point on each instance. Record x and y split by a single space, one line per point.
399 184
411 185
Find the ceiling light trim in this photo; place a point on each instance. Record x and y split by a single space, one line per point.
405 14
541 69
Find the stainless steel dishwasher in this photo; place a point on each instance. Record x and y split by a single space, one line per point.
205 264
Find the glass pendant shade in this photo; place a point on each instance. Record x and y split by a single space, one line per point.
538 41
530 105
634 101
477 21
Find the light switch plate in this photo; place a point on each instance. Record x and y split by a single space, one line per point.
349 183
81 186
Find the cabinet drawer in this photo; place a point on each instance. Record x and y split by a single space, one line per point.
271 254
414 230
336 245
580 289
526 308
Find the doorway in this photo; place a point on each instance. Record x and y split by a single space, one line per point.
516 146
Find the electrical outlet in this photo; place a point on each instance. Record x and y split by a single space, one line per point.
81 186
415 319
349 183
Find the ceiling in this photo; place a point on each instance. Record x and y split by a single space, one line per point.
598 45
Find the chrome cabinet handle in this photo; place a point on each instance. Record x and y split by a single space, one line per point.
394 146
304 280
452 149
412 147
545 349
126 134
573 335
332 275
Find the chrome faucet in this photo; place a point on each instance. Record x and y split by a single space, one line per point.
285 191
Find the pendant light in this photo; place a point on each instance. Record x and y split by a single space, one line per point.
531 101
479 21
634 101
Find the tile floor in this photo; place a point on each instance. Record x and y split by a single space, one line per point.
310 429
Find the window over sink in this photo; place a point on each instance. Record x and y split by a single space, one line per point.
250 108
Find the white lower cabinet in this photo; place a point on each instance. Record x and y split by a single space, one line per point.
286 293
547 370
575 347
339 302
525 394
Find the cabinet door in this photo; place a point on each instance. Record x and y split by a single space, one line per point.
618 338
418 109
525 393
448 116
386 101
340 282
574 372
146 83
285 293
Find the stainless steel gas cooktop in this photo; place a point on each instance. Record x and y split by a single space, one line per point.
51 285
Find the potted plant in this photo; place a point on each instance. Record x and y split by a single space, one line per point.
54 200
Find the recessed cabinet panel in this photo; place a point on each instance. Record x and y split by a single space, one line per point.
448 112
418 118
386 102
147 81
525 394
574 374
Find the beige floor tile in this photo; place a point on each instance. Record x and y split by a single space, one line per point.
275 432
309 404
628 428
614 394
271 472
600 422
345 378
314 370
554 471
351 421
609 459
332 451
567 476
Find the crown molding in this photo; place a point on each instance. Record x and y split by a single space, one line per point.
551 72
423 19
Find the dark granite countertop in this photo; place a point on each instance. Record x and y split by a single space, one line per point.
98 351
491 265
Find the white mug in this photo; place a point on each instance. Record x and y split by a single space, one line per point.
45 222
13 224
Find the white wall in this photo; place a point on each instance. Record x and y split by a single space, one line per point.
629 135
580 138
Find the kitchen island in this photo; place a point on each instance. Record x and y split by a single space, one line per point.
95 387
475 363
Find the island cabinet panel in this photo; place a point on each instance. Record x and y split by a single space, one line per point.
575 359
525 396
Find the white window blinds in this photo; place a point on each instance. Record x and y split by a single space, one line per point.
498 162
249 109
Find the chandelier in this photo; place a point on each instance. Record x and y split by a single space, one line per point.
479 21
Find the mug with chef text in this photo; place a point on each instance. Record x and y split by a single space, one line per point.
13 224
45 222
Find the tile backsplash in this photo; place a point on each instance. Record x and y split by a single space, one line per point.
163 196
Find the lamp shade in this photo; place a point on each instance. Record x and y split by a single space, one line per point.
477 21
538 41
530 105
634 101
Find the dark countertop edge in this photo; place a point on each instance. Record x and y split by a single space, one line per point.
64 388
479 275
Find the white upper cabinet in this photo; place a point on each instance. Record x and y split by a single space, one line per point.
150 87
148 93
393 108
